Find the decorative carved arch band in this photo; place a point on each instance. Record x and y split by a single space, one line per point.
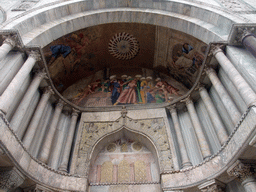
150 132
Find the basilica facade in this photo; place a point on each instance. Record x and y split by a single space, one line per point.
128 95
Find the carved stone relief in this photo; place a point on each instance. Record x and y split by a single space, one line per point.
24 5
236 5
124 172
92 132
107 172
10 178
140 171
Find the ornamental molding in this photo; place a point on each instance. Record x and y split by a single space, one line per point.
239 32
12 38
91 133
123 46
242 170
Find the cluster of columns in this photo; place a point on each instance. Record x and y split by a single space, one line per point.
27 134
215 119
244 89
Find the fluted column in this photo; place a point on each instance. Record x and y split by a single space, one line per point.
243 172
9 95
24 104
46 147
214 116
198 129
224 96
7 46
64 164
185 162
242 86
212 186
31 130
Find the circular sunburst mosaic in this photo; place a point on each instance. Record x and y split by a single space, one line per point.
123 46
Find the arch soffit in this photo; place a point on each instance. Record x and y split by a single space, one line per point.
36 31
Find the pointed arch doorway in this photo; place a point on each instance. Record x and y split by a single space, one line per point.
125 161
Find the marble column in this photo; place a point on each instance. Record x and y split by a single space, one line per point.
25 103
249 41
7 46
242 86
64 164
214 116
205 149
227 101
98 173
243 172
58 142
115 173
212 186
46 147
32 128
9 95
132 174
185 162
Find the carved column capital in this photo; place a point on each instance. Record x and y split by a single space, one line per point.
60 103
10 178
212 186
216 49
41 74
11 40
187 100
75 112
242 32
35 54
209 70
200 87
241 170
48 90
172 108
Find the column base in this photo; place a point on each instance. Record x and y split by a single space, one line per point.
63 168
186 165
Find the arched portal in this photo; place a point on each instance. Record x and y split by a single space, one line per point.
125 160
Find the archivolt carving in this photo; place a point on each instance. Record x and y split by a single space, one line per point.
93 132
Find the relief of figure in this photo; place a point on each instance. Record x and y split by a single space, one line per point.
56 51
115 88
149 90
80 96
123 82
167 89
186 58
128 95
137 78
143 87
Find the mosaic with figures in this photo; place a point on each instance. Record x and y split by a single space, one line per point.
124 64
